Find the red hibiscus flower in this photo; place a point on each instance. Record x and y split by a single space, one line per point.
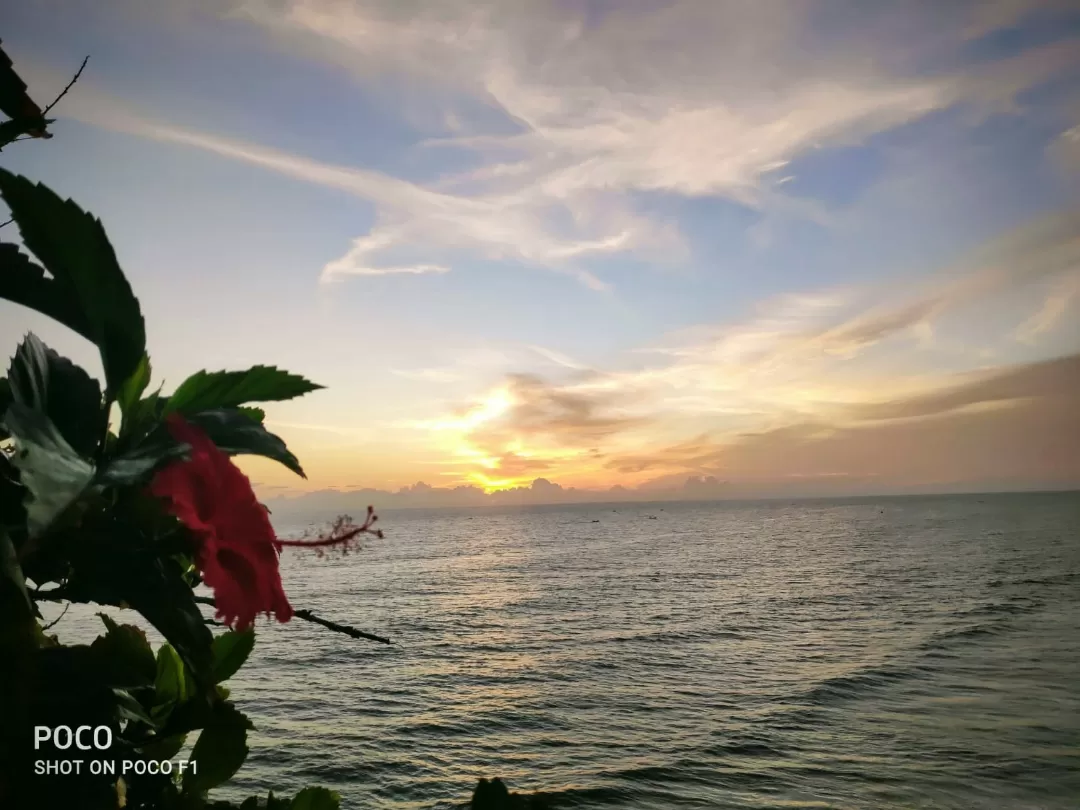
237 550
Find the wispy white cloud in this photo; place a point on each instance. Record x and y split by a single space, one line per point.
558 358
685 98
345 268
1053 309
750 92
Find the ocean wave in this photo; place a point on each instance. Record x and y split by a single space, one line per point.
845 687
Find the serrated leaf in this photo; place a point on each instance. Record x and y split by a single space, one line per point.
73 247
24 282
52 472
230 650
236 434
254 414
125 654
41 379
219 752
316 798
204 390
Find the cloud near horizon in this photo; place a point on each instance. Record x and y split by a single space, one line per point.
806 370
952 439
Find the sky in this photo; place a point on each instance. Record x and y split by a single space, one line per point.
697 248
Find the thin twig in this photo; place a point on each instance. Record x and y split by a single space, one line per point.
59 594
308 616
57 619
7 222
69 86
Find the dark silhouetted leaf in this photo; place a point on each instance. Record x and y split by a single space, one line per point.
15 102
236 434
138 466
230 650
219 752
12 496
117 566
73 247
52 472
125 655
24 282
43 380
25 125
204 390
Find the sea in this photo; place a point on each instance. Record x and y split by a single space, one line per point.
860 654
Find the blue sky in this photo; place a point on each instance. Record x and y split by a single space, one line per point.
603 243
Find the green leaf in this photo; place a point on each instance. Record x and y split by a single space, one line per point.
128 394
170 685
230 650
227 389
126 657
41 379
219 752
316 798
143 417
137 466
73 247
49 468
254 414
236 434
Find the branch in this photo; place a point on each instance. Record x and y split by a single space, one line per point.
56 621
7 222
61 594
69 86
308 616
